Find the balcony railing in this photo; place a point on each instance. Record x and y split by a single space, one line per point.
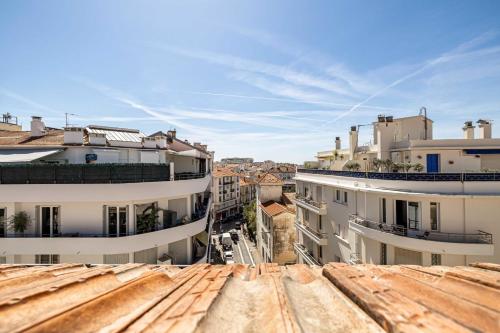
355 258
309 201
83 173
410 176
189 175
195 217
318 237
308 257
480 237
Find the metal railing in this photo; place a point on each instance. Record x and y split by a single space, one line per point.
307 256
189 175
410 176
83 173
195 217
480 237
319 235
309 201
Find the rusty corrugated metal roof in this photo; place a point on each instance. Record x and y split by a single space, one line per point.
238 298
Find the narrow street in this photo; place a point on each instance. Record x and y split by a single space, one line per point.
243 249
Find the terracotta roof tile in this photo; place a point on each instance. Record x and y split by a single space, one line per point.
269 179
222 172
265 298
272 208
54 137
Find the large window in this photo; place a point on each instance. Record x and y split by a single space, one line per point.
117 221
50 221
47 259
383 254
435 259
435 216
413 215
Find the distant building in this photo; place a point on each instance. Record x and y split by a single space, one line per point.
236 160
226 189
247 191
275 222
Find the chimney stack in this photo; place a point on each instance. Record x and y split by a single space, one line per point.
37 126
73 135
484 129
172 133
337 143
468 130
353 141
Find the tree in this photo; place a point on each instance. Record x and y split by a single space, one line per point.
19 222
377 163
353 166
407 167
388 164
250 215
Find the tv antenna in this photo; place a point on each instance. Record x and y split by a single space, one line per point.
68 114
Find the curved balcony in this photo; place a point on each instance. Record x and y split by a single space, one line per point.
310 204
100 244
317 237
480 243
306 256
117 189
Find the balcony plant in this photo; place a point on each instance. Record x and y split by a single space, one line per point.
353 166
418 167
377 163
388 165
148 220
19 222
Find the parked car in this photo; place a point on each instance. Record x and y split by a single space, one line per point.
228 257
237 225
234 236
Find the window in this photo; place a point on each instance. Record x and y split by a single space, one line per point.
117 221
383 210
320 223
435 216
337 231
413 215
320 251
435 259
345 198
50 221
47 259
3 222
383 254
337 195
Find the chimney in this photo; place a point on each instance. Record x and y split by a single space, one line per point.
468 130
353 141
97 139
148 142
73 135
37 126
161 141
484 129
337 142
172 133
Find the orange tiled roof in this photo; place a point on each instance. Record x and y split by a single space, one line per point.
269 179
272 208
54 137
268 298
222 172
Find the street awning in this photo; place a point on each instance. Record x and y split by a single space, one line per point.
25 155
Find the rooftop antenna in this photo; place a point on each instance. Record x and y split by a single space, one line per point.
423 110
68 114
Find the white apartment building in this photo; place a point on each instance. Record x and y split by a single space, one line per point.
226 189
445 213
100 194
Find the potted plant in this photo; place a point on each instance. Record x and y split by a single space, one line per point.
388 165
148 220
353 166
407 167
19 222
418 167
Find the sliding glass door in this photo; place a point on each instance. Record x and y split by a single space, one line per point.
49 219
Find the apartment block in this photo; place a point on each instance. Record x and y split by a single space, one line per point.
226 189
102 195
405 198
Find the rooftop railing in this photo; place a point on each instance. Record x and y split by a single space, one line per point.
316 233
480 237
83 173
38 173
410 176
309 201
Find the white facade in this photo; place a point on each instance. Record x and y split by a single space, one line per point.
429 218
226 189
125 212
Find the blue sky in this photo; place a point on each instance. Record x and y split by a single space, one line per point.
267 79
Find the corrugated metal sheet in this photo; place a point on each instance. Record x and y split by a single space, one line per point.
118 134
239 298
